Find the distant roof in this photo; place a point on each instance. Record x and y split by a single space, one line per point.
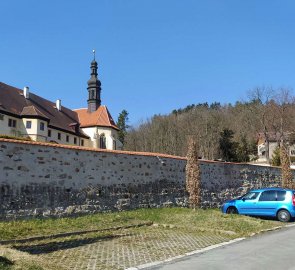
12 101
101 117
273 136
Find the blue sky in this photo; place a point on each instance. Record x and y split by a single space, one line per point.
154 55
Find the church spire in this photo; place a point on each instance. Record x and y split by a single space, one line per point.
93 87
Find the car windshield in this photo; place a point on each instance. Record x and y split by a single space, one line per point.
249 196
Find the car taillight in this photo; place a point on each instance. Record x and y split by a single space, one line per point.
293 199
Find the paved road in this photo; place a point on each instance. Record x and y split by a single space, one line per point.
271 251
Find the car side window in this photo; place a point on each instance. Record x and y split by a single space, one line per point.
281 195
269 195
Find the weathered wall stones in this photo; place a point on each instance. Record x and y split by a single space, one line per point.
43 180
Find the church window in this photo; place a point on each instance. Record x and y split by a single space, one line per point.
42 126
102 141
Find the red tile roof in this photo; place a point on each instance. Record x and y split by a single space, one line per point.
101 117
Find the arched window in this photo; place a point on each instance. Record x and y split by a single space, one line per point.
102 141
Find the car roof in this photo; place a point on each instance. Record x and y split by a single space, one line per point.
272 188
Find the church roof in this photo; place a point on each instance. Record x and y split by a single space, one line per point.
101 117
13 102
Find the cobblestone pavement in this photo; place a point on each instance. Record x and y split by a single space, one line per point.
121 250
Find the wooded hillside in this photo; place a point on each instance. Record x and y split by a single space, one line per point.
227 132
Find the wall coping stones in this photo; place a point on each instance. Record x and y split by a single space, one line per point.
82 148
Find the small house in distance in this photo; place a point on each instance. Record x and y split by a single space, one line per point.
272 140
25 114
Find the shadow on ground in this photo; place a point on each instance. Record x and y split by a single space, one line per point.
62 245
5 263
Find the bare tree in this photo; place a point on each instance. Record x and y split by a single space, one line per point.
265 112
260 98
193 176
282 108
287 177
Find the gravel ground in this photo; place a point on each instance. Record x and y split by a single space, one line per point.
121 249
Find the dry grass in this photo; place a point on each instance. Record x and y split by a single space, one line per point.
194 222
11 259
198 219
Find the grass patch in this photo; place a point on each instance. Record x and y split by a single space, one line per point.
7 263
204 220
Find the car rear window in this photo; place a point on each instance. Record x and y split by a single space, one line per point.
269 195
273 195
281 195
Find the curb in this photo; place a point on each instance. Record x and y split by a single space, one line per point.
145 266
273 229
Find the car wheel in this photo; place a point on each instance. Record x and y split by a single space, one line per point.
232 210
284 216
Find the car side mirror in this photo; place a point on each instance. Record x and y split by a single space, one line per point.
243 199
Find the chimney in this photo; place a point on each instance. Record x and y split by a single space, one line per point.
58 104
26 92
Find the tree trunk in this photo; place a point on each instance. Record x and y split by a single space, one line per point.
193 176
287 177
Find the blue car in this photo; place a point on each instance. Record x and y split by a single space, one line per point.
268 202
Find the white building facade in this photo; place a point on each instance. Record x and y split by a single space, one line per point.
24 114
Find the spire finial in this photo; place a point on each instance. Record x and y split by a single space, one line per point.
93 54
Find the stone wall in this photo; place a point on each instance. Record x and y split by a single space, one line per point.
222 181
39 179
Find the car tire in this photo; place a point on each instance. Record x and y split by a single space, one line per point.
232 210
284 216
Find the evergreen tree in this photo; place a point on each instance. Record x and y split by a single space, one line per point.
276 157
122 125
243 150
227 146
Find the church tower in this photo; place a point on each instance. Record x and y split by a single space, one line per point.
93 88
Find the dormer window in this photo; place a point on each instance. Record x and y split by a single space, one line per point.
75 127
